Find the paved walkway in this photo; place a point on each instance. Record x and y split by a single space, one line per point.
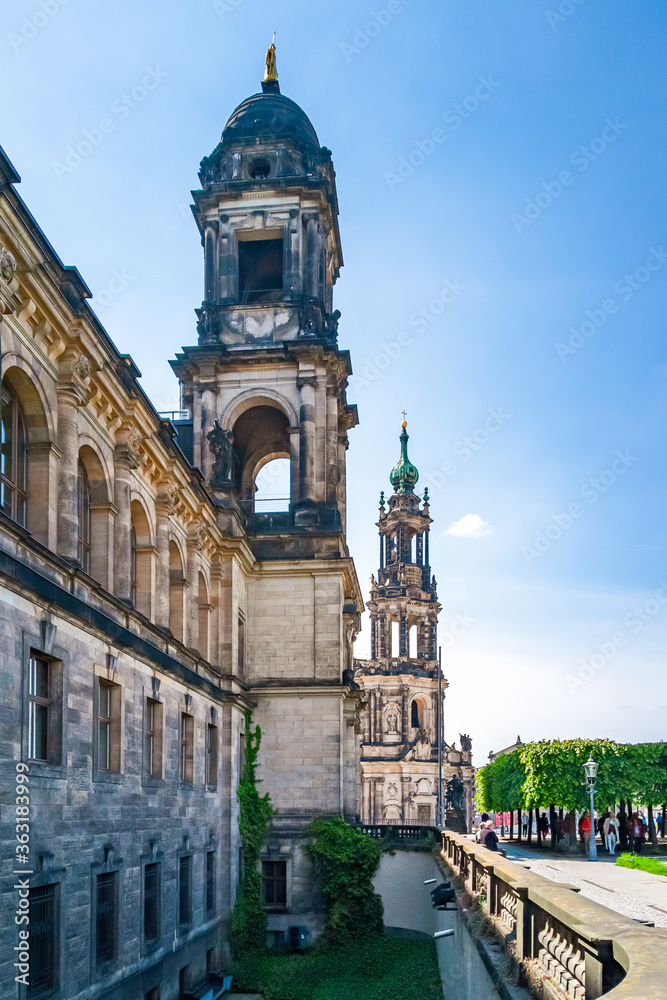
629 891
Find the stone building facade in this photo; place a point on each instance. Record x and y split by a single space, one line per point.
402 721
145 604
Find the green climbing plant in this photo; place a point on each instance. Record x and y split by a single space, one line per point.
248 923
346 861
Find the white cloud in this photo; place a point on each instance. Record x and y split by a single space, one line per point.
469 526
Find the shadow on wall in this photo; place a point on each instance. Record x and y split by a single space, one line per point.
408 913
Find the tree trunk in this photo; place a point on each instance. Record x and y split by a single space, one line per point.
552 819
530 826
519 820
652 832
539 831
664 810
622 833
511 824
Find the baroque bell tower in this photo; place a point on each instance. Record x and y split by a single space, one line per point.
401 722
267 381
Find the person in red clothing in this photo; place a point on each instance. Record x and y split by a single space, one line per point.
585 831
637 832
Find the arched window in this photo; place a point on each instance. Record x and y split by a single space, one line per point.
413 642
83 506
141 559
13 457
133 565
395 634
176 592
416 715
272 486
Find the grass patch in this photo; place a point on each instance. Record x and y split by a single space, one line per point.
382 968
652 865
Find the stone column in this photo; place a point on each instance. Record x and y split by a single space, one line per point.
210 261
405 703
68 473
379 728
371 716
426 553
192 593
125 460
365 799
373 638
381 551
307 440
209 393
332 446
312 256
403 635
163 511
420 550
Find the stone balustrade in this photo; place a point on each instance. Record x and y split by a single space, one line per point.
566 946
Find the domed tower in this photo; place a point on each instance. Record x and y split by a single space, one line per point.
267 212
401 722
266 382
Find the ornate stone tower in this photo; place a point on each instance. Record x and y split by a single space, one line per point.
401 721
267 381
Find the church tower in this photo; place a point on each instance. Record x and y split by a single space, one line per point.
401 723
267 381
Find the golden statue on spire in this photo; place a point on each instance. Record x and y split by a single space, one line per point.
271 73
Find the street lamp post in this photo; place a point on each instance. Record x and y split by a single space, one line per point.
591 772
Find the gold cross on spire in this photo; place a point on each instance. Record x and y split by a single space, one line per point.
404 424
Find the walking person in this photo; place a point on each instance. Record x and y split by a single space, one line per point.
636 833
610 830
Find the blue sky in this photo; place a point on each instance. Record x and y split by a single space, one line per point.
500 171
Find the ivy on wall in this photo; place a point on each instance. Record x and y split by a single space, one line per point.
248 924
346 861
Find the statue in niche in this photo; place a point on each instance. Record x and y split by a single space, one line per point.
466 742
455 798
220 442
392 790
392 723
422 746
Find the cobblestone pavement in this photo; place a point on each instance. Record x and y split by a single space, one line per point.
628 891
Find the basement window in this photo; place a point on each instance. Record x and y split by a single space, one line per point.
260 267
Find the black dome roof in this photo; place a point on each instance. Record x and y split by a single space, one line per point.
270 115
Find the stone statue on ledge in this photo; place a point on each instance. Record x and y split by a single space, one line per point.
220 442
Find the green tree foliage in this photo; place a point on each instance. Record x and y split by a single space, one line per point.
346 861
552 771
500 784
248 924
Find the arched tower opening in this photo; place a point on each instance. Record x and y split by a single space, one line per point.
261 441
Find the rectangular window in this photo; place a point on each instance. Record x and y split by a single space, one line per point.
108 727
39 708
153 738
187 747
212 756
210 884
185 891
274 883
152 902
106 917
261 267
43 940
